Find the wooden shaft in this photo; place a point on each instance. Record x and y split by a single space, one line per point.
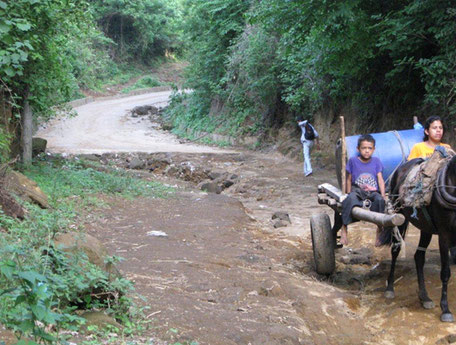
378 218
333 196
343 155
331 191
322 199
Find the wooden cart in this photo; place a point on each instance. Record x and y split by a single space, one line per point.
324 236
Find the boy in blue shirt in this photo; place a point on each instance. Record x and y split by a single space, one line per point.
364 182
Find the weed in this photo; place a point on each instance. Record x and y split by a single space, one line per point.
41 285
144 82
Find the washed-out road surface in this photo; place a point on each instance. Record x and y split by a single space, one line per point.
223 274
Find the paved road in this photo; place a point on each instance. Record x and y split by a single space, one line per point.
106 126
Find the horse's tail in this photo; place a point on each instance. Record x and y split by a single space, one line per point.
389 235
385 237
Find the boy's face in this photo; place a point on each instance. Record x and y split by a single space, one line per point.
366 149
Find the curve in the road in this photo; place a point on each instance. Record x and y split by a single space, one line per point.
106 126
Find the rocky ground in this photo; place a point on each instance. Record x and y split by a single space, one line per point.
213 265
228 273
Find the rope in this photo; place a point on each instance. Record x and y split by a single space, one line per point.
404 157
400 241
401 143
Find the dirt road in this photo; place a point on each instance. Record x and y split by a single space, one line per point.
106 126
223 274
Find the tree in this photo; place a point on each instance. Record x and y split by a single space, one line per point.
141 29
34 36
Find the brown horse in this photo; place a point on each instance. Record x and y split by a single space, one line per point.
438 218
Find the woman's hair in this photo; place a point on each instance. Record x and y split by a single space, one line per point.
428 123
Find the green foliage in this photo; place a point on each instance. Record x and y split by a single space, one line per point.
251 61
41 285
34 38
70 178
31 302
5 139
419 39
141 30
142 83
210 27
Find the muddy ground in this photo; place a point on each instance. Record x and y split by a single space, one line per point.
223 274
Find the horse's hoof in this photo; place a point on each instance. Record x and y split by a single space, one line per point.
428 304
447 317
389 294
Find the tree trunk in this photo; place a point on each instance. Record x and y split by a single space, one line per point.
27 131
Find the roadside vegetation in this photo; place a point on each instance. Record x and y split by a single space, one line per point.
255 65
53 51
44 289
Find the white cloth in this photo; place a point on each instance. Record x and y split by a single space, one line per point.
302 124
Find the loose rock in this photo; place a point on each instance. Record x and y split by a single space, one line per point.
211 187
26 189
99 319
96 252
38 146
282 216
280 224
136 163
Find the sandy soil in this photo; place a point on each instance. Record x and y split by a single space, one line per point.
224 274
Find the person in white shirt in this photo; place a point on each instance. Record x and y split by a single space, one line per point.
308 136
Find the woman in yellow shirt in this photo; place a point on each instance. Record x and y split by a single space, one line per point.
433 133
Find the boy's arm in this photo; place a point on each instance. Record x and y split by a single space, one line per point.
348 183
381 184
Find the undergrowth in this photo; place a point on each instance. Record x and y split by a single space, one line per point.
142 83
40 285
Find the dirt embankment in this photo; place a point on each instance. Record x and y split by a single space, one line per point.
223 274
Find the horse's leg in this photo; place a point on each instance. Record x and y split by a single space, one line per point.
445 275
425 239
395 250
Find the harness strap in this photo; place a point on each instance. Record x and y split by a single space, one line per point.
428 219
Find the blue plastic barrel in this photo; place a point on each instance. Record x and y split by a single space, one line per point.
391 147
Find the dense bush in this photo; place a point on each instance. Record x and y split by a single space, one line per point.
378 57
140 30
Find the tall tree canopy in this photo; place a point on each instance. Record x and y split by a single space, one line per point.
49 49
380 57
141 28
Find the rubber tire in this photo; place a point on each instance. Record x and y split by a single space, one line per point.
322 244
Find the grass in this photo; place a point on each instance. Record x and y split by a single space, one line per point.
142 83
26 249
64 179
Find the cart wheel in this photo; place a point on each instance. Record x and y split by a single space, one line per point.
322 243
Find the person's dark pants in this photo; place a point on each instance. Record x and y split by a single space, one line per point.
356 198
